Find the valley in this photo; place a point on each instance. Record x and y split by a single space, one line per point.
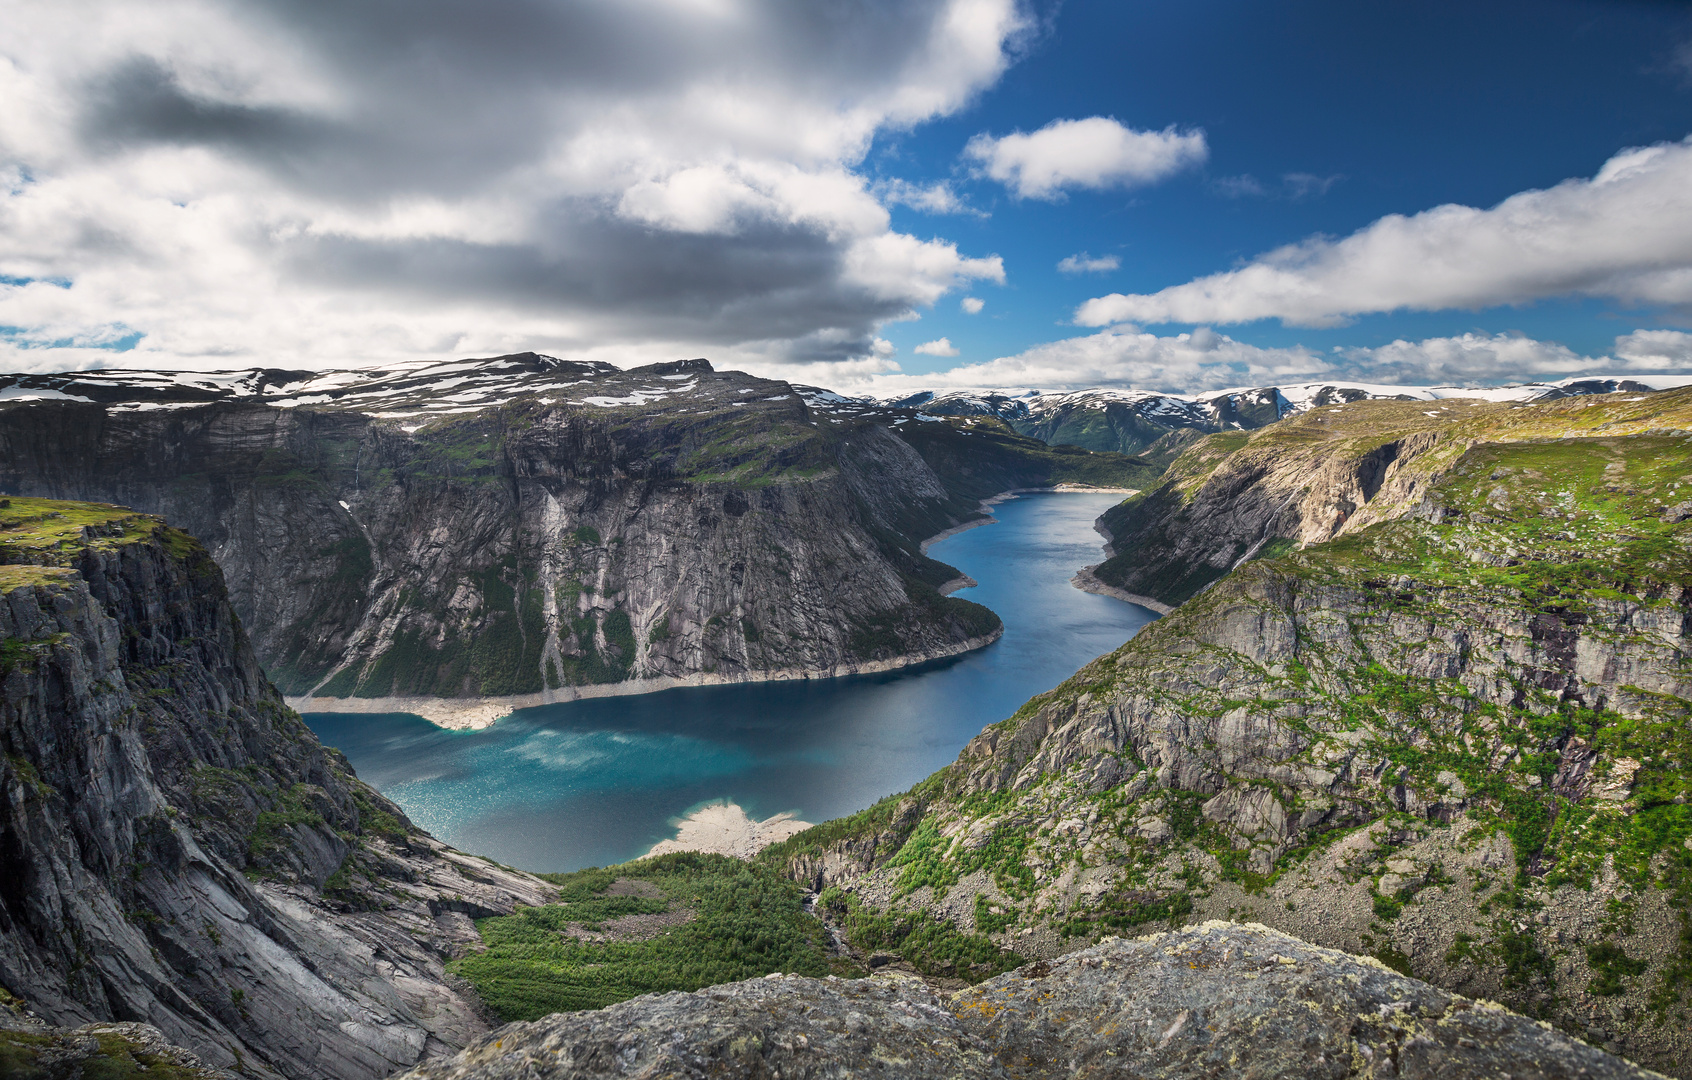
1423 697
1418 697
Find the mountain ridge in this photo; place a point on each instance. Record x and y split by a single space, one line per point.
519 527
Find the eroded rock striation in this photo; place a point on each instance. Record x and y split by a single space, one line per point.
176 847
524 527
1215 1000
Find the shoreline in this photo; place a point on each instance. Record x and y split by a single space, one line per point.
475 713
987 517
724 828
1086 582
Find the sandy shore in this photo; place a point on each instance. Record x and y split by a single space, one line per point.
724 828
470 713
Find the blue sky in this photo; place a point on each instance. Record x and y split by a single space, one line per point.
817 190
1389 107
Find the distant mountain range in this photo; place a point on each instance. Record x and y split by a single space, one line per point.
1146 421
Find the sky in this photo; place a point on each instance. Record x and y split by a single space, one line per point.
871 195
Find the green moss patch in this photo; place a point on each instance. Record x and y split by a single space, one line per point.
743 920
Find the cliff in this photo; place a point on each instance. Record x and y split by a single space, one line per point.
1211 1001
529 526
177 849
1432 706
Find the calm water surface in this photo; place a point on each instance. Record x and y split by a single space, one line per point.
588 783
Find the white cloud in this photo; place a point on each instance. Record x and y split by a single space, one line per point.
937 347
1094 153
252 181
972 305
1084 263
1663 349
1239 187
1624 235
937 198
1300 185
1208 360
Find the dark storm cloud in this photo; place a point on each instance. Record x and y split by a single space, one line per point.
765 282
443 93
632 172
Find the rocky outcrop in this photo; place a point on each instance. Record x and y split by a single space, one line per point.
178 850
1329 472
1455 738
1210 1001
524 526
33 1049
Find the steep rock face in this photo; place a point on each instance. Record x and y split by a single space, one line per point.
1456 738
551 525
523 526
1211 1001
177 849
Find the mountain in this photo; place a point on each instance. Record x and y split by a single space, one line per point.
1424 694
1216 1000
521 528
178 850
1160 425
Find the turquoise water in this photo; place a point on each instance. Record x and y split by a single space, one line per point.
589 783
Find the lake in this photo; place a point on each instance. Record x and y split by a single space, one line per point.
589 783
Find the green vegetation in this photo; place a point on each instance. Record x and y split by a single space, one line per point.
25 1056
930 944
1126 910
741 921
1610 965
270 831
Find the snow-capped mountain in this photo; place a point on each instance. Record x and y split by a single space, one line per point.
1137 421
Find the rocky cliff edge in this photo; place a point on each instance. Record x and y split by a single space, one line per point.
178 850
1214 1000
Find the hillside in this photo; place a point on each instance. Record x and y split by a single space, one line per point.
1450 730
179 850
523 527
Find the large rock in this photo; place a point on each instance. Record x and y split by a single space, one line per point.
1216 1000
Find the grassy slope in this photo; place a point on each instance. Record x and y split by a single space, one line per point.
744 920
1153 531
1566 512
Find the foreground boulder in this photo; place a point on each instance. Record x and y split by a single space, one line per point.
1212 1000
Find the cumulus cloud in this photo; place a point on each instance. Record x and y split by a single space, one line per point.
1207 360
937 347
1625 235
253 181
937 198
1096 153
1084 263
972 305
1649 349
